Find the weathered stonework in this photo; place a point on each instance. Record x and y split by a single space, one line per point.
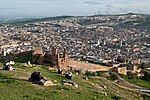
54 58
62 61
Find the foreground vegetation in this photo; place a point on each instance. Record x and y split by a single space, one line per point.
15 86
138 81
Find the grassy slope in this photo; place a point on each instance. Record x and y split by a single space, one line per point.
14 88
142 83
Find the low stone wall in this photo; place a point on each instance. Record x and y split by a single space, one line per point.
86 66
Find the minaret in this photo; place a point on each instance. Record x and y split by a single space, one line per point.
121 43
98 42
104 42
65 54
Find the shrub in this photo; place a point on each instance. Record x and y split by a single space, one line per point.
131 75
113 76
89 73
116 97
99 73
146 76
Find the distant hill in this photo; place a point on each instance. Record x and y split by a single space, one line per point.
30 20
141 23
138 23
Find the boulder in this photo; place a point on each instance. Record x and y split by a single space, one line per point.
68 75
36 78
49 83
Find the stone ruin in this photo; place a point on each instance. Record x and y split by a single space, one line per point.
55 58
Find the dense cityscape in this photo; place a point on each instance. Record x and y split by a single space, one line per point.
97 39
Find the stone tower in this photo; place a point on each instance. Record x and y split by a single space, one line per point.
59 60
55 56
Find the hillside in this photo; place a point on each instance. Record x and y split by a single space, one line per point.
15 86
33 20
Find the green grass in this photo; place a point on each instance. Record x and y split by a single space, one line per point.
138 81
14 88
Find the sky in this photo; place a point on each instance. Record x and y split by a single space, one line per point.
50 8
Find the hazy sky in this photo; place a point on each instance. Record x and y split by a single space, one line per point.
45 8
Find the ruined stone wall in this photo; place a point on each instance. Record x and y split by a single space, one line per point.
87 66
38 51
122 70
63 62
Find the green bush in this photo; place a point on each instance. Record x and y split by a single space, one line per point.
145 97
89 73
146 76
116 97
113 76
131 75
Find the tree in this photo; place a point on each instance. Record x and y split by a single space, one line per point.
131 75
116 97
113 76
146 75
